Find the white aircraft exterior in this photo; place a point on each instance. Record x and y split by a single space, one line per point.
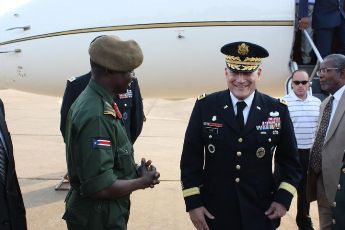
45 42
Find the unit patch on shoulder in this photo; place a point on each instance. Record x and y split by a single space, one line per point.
202 96
282 101
72 79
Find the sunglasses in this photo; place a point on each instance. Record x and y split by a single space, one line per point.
300 82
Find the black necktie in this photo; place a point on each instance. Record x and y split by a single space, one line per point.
239 116
316 158
3 163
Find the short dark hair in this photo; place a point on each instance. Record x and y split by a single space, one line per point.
337 59
299 70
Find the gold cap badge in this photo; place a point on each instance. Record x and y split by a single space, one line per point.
243 49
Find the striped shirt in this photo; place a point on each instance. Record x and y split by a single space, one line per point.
304 116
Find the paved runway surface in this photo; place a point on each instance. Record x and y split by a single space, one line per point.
33 121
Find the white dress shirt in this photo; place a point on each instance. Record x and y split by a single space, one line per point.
248 101
336 100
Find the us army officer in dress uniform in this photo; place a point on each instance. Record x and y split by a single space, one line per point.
232 136
99 157
129 103
339 208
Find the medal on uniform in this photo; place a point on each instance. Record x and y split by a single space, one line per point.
123 96
129 93
260 153
214 118
211 148
212 124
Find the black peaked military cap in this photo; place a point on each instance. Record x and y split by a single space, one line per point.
243 56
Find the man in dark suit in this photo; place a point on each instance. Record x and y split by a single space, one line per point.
231 139
130 104
12 210
329 23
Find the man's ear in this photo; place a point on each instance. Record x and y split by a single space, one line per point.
226 71
259 72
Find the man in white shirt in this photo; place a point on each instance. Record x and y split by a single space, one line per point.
304 113
328 149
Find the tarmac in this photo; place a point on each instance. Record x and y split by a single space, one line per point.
39 151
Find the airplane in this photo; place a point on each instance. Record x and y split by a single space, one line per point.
44 43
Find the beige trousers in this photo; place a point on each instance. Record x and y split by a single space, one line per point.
324 206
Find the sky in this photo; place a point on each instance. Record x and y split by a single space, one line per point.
7 5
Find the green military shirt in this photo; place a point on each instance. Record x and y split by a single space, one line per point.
98 152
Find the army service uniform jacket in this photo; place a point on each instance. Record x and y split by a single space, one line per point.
130 104
229 171
98 152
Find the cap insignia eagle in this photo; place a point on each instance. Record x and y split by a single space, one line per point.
243 49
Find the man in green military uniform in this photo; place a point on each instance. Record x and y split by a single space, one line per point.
100 160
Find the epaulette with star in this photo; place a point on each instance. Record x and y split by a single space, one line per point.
282 101
202 96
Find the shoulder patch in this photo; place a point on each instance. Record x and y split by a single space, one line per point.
99 142
202 96
282 101
72 79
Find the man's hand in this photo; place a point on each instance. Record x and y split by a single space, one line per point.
197 216
303 23
148 173
275 211
143 165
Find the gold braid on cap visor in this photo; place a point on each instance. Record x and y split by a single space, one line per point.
248 64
